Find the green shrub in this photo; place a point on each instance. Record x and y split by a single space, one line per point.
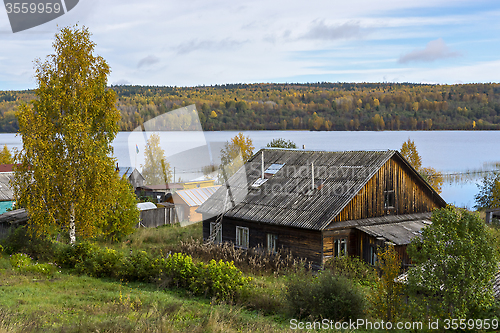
352 268
20 260
88 258
177 270
20 240
46 270
70 255
218 279
24 263
140 266
325 296
101 263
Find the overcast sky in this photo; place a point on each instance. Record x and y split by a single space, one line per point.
188 43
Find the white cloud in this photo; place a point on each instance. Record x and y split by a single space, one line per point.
148 61
207 45
332 32
434 50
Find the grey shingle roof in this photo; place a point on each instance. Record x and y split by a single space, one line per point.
6 192
400 233
286 198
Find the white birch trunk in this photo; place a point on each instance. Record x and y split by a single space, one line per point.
72 228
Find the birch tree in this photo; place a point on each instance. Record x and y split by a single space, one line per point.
67 177
156 170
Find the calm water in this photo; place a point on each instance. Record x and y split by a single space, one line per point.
446 151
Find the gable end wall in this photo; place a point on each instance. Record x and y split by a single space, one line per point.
411 195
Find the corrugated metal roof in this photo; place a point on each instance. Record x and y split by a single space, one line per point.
6 193
146 206
400 233
287 198
379 220
196 196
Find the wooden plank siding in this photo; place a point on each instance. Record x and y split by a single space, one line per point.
411 196
302 242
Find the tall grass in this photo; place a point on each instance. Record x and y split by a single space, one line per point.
156 240
253 260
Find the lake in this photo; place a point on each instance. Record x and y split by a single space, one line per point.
446 151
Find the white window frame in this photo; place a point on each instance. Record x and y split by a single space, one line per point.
272 243
242 237
340 247
218 237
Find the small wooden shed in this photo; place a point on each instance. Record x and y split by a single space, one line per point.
321 204
189 200
134 177
11 220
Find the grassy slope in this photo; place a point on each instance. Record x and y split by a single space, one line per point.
69 303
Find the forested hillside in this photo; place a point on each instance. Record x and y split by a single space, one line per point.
318 106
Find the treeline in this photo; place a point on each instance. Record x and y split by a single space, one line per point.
318 106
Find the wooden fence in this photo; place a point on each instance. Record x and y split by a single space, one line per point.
153 218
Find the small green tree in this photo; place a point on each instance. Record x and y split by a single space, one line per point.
156 170
455 263
489 192
410 153
5 156
234 154
431 176
123 214
282 143
386 300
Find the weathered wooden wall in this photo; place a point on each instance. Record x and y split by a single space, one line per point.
411 196
329 238
153 218
303 243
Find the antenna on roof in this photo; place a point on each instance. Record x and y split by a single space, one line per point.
312 173
262 165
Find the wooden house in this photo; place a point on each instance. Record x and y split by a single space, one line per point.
321 204
187 201
134 177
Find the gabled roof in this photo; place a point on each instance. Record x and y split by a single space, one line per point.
128 171
287 197
196 196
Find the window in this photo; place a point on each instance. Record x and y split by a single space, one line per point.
270 171
242 237
373 255
389 199
218 235
273 169
340 247
272 243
